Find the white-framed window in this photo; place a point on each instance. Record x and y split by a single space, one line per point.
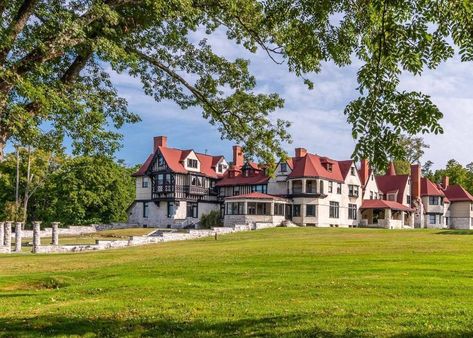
334 211
283 167
352 211
330 186
192 163
352 171
144 182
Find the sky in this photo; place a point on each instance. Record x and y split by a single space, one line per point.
318 123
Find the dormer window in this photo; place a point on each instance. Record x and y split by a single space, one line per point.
329 167
283 167
191 163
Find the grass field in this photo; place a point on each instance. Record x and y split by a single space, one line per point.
276 282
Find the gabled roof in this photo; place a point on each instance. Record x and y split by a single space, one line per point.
345 167
257 196
258 178
427 188
310 165
144 167
383 204
456 193
392 183
174 159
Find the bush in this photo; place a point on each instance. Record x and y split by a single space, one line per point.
212 219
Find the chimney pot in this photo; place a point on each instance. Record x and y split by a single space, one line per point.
160 141
301 152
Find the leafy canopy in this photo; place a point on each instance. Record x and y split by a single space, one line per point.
56 57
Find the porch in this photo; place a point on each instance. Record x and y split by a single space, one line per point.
386 214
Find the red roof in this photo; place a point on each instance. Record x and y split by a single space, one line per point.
239 179
257 196
382 204
311 165
456 193
427 188
345 167
175 160
144 167
392 183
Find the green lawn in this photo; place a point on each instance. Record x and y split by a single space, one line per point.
275 282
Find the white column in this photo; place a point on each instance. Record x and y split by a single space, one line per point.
304 186
7 235
2 233
36 236
55 233
18 236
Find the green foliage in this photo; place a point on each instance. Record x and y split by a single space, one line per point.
212 219
55 58
283 282
457 173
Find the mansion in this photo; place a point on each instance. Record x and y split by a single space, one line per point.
175 187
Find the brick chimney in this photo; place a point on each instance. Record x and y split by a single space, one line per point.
445 182
415 181
301 152
391 171
237 157
159 141
364 171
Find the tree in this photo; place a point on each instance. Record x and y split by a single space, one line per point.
427 170
52 57
413 148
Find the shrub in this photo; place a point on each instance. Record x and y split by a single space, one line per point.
212 219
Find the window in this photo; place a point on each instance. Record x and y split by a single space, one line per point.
251 208
339 188
144 182
352 211
170 209
235 208
145 209
371 195
330 187
191 163
258 208
353 190
329 167
409 199
391 197
310 210
283 167
192 209
262 188
352 171
432 219
296 210
261 209
311 187
434 200
161 161
236 191
279 209
322 187
334 210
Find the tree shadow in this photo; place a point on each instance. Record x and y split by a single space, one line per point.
455 232
275 326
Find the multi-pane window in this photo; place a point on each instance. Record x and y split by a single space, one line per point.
144 182
145 209
197 181
235 208
279 209
409 199
352 211
353 190
330 187
296 210
192 210
321 187
432 219
434 200
339 188
191 163
310 210
352 171
258 208
262 188
334 210
311 187
170 209
283 167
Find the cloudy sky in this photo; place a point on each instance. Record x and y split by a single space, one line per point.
317 116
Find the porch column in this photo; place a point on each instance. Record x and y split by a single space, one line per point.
18 236
388 217
36 236
403 218
272 208
2 233
245 207
7 235
304 185
55 233
289 187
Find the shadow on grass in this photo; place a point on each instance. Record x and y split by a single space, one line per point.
277 326
455 232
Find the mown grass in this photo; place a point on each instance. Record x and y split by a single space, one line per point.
275 282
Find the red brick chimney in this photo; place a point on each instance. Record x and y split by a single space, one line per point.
445 182
237 157
415 181
364 171
160 141
301 152
391 169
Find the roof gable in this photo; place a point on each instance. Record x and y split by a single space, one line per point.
427 188
312 165
456 193
391 183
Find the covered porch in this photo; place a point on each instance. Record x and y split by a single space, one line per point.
386 214
254 208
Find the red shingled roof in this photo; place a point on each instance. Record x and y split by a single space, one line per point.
382 204
427 188
456 193
257 196
345 167
257 178
311 165
174 159
389 183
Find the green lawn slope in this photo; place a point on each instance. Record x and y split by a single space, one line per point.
276 282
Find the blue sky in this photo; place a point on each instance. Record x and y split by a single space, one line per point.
317 115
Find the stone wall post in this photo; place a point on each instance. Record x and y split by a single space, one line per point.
7 235
36 236
55 233
18 229
2 233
